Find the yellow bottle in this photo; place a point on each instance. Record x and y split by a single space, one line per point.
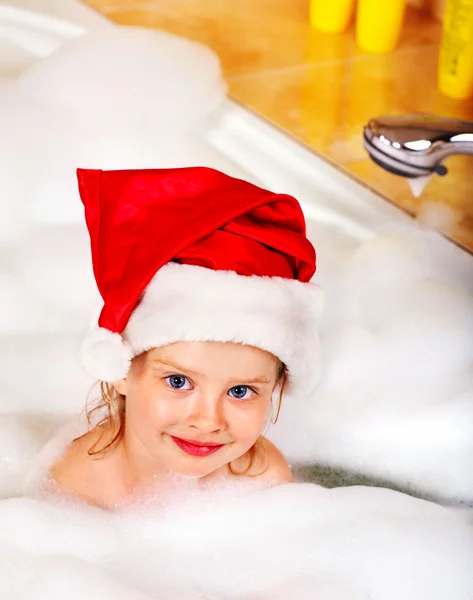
379 24
456 50
331 16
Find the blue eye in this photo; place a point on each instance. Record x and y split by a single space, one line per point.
240 392
178 382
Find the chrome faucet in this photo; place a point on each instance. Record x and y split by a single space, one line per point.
416 145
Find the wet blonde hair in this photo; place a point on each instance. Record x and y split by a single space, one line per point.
112 406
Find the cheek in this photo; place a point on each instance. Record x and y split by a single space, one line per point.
164 412
147 409
248 422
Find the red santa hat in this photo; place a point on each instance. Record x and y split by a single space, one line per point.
192 254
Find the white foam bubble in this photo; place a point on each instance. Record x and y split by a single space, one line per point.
54 267
347 543
172 83
118 98
41 373
18 448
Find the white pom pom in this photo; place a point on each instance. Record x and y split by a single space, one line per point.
105 355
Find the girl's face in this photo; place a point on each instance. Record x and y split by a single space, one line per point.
194 407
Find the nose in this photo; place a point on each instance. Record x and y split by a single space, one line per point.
205 413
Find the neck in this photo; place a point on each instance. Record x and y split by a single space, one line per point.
137 466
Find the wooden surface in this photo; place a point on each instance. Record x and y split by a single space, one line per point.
322 89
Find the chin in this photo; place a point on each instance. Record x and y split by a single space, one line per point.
196 471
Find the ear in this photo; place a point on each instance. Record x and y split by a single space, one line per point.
121 386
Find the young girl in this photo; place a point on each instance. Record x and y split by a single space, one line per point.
208 317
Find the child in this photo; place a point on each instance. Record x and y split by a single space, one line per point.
208 316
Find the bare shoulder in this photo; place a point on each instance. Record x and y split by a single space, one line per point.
75 472
277 468
263 461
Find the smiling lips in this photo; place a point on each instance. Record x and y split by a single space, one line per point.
195 448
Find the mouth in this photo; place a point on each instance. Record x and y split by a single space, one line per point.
196 448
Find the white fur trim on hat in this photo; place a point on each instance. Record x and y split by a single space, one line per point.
189 303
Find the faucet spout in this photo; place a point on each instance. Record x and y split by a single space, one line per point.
416 145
